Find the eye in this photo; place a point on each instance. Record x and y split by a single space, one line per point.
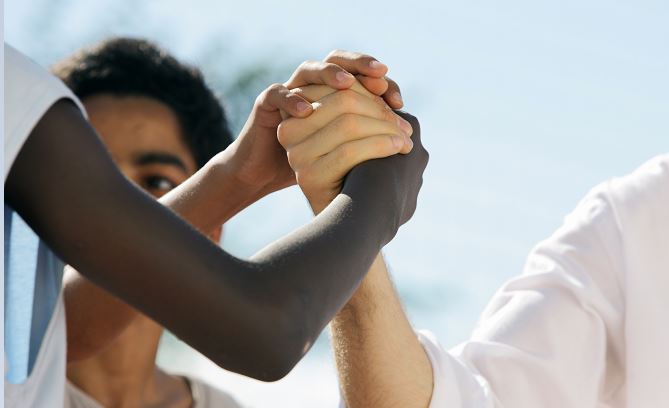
158 185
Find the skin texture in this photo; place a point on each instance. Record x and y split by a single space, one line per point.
253 166
145 141
375 369
346 128
257 317
280 299
260 164
135 130
380 361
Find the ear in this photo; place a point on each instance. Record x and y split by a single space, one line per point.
216 235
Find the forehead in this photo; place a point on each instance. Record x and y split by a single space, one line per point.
131 125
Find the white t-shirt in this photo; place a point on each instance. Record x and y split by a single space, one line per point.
34 314
204 396
587 324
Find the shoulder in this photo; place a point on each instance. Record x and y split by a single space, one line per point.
643 195
634 208
207 396
616 208
30 90
608 228
640 203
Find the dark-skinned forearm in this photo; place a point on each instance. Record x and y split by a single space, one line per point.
206 200
255 317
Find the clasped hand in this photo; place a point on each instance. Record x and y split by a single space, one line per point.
326 119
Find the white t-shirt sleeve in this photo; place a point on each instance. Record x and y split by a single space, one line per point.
30 91
551 337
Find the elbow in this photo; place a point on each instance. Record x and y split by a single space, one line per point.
293 329
276 369
272 347
268 360
280 352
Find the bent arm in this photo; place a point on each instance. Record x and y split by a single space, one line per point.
199 204
255 317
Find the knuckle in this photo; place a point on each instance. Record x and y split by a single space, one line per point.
390 117
304 177
333 54
305 65
347 99
331 68
390 145
266 94
383 145
260 99
364 58
345 152
413 121
380 101
283 133
392 84
296 157
422 157
409 118
348 122
275 87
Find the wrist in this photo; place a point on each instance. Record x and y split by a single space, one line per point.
374 187
210 197
368 290
318 204
317 207
227 169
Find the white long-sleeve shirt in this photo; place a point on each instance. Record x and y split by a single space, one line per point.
587 323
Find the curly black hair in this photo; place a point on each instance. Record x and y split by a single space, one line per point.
137 67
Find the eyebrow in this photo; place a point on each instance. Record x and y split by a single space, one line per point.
148 158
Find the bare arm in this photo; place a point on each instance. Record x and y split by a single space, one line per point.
95 317
253 166
379 359
255 317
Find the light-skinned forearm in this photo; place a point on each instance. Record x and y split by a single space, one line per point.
213 195
380 361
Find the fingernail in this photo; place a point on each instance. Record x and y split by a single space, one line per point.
405 126
343 76
398 97
398 142
409 143
374 64
302 106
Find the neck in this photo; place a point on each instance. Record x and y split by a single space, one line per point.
125 373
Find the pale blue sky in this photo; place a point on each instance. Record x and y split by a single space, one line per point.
524 106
